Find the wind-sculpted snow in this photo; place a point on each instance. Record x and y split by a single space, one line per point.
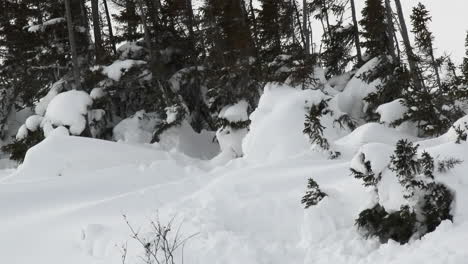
65 203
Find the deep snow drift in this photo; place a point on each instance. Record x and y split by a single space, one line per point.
65 203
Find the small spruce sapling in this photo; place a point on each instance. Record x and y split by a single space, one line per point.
313 194
369 177
443 166
416 175
314 129
437 205
461 133
405 164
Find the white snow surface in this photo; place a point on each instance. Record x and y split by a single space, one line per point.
236 112
391 112
351 99
137 128
69 109
64 204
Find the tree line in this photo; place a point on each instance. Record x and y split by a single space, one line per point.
222 52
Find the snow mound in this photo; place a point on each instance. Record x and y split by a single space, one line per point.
138 128
33 122
116 70
55 89
97 93
277 124
372 133
184 139
391 112
68 156
69 109
351 99
236 112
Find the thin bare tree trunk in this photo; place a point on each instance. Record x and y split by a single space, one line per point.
409 50
99 50
74 53
298 17
357 43
254 24
305 19
109 25
327 19
390 30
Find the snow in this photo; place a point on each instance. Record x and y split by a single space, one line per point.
183 139
33 122
69 109
116 70
43 26
391 112
279 118
351 99
64 204
236 112
97 93
22 132
372 133
55 89
137 128
130 50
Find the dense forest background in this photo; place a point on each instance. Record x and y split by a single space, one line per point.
176 62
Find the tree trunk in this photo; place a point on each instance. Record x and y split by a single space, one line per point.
436 68
356 33
74 53
327 19
132 25
305 24
109 25
390 30
254 25
409 50
99 50
298 17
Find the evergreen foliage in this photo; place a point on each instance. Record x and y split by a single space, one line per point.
17 150
368 176
375 28
399 226
429 202
313 194
445 165
461 133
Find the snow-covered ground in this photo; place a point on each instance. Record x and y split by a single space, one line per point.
65 203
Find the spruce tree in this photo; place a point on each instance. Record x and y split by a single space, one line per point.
313 194
374 25
465 61
430 105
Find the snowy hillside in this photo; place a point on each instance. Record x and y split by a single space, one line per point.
232 132
65 203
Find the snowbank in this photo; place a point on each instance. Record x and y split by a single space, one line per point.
391 112
183 139
372 133
137 128
277 124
